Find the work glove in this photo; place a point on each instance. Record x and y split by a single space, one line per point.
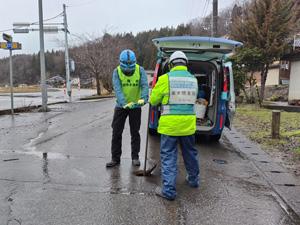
130 105
141 102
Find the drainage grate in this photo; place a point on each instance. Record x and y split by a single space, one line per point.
8 160
220 161
254 153
275 171
264 161
290 185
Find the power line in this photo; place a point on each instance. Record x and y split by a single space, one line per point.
81 4
194 9
35 23
52 18
207 2
205 8
1 31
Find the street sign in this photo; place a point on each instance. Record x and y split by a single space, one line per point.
7 37
21 30
10 45
72 65
3 45
16 45
21 24
50 29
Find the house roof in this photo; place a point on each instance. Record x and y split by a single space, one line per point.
294 56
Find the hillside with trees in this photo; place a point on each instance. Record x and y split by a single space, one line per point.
97 56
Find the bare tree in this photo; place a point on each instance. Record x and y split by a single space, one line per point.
99 57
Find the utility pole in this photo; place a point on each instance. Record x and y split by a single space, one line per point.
215 19
67 60
42 58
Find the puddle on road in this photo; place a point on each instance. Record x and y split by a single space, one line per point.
30 149
50 155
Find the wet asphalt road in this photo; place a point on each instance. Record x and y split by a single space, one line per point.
72 186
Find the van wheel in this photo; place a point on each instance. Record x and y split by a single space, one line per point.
152 131
201 138
215 138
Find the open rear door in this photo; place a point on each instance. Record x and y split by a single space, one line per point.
195 44
231 97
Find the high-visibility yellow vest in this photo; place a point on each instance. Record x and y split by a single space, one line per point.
183 89
131 84
170 124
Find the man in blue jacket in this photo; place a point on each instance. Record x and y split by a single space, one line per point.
131 87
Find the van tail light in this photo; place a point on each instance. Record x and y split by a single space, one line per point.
221 121
152 116
155 75
225 84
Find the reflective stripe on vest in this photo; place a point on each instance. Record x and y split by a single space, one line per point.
131 84
182 94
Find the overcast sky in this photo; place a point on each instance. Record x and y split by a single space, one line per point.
94 16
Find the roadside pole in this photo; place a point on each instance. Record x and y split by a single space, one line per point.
19 28
11 82
42 58
10 45
276 124
215 19
67 60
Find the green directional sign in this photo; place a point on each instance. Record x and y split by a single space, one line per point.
7 37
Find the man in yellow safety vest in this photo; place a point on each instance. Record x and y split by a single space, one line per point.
177 92
131 89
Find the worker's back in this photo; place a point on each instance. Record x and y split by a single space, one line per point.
176 119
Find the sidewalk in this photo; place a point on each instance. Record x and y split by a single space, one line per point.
284 183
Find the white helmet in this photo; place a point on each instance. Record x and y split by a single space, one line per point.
178 57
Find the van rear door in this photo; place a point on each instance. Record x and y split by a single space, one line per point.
231 97
220 46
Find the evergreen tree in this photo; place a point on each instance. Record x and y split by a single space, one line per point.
266 25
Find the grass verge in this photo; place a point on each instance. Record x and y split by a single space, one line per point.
255 123
27 89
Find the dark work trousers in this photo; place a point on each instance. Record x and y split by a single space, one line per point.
118 123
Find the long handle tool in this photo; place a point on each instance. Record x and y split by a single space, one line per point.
146 172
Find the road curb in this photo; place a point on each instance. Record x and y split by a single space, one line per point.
96 97
27 108
284 183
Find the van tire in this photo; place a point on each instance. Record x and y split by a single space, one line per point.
215 138
201 138
152 132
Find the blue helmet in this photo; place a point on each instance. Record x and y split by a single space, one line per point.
127 60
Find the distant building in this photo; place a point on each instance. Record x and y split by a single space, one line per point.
294 88
273 77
